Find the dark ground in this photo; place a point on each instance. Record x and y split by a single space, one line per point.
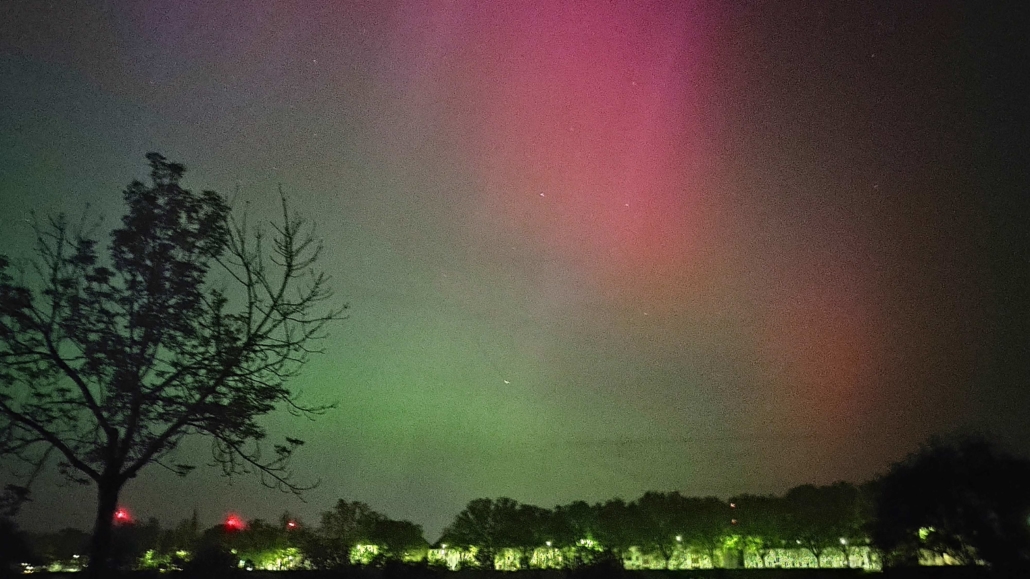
426 573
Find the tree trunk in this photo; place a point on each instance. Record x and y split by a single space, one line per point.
100 544
664 553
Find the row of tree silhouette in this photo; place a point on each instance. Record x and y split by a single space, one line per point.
657 522
965 500
662 523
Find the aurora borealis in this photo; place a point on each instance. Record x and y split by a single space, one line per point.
590 248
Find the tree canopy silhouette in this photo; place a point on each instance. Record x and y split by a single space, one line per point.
966 500
189 323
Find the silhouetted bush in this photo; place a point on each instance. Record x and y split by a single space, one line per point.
211 561
14 547
965 500
605 566
393 569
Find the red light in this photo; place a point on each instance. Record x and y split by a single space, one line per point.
234 523
122 516
291 525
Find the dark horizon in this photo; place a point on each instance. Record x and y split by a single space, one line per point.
589 251
235 520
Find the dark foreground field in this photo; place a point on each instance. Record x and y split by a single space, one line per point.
414 572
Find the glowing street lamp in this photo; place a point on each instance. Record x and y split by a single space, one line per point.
679 538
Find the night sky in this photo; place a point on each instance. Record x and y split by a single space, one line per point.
590 248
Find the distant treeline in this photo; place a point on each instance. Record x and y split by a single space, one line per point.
959 503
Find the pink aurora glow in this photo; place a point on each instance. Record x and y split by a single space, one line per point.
593 133
580 124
